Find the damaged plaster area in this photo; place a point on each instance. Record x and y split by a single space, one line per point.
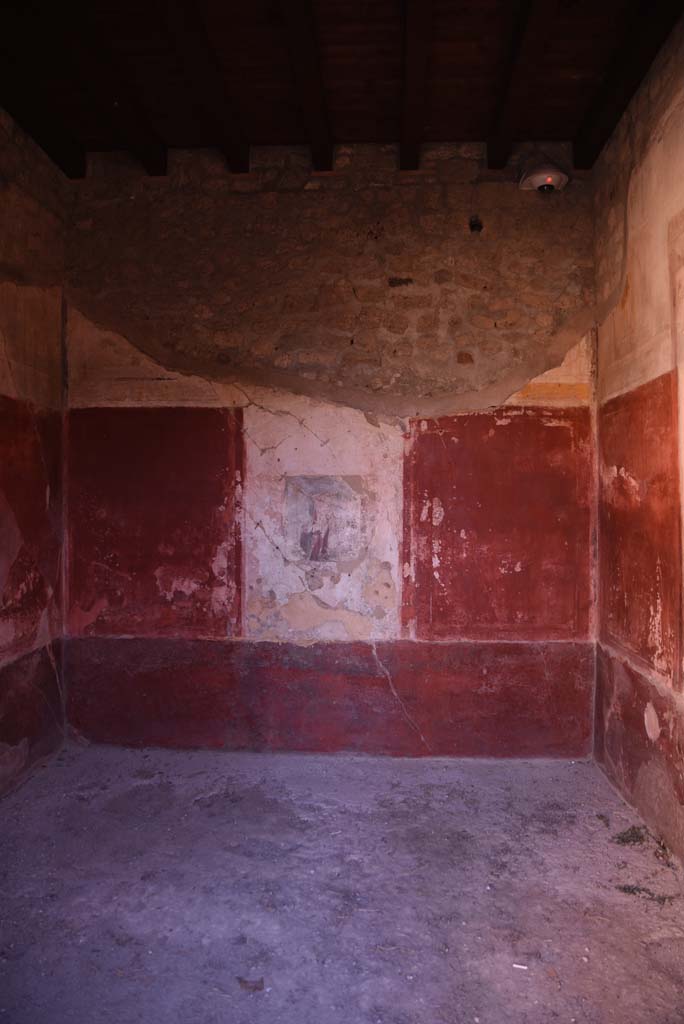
321 514
106 369
322 501
322 522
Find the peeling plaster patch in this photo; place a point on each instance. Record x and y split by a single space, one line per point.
170 585
222 600
508 567
655 625
568 384
437 512
223 592
651 723
331 489
105 369
619 483
310 618
380 589
222 559
551 421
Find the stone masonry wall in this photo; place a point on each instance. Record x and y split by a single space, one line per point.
364 286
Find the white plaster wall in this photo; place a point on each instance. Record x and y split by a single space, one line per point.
288 598
639 194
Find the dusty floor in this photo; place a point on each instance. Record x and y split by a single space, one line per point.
155 886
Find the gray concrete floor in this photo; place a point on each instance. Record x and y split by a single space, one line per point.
206 887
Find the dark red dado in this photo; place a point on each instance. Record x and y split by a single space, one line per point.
153 524
404 698
640 550
30 526
640 743
31 711
498 525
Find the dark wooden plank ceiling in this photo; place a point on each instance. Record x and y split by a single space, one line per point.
146 75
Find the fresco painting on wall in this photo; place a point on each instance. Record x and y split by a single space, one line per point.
324 517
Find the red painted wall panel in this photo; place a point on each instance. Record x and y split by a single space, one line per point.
30 527
640 743
639 517
498 525
402 698
153 523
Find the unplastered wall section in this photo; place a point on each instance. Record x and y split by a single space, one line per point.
639 258
33 211
364 286
265 544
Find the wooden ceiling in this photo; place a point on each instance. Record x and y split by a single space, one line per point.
147 75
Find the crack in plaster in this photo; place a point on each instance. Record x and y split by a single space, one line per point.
258 525
278 412
382 668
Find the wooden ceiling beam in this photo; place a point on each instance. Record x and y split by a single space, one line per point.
59 42
302 42
528 22
109 83
417 35
645 34
205 81
91 62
